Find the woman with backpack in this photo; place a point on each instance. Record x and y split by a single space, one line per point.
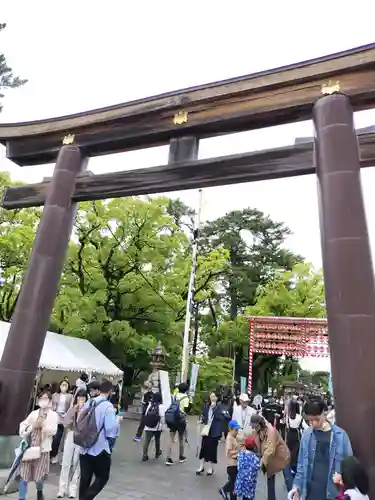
153 420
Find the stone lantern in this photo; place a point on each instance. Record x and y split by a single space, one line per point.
158 356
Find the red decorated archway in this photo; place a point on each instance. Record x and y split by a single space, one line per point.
279 336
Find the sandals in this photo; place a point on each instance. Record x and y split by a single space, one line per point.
199 472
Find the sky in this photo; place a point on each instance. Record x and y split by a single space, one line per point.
89 54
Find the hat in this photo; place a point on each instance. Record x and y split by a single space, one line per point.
234 425
250 443
244 397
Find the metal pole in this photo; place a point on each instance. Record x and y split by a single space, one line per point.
189 302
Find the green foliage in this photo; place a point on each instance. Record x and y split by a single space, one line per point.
7 79
124 286
254 243
213 372
296 293
17 232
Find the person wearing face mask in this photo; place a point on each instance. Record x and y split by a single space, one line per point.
61 402
39 427
212 420
242 412
70 470
323 446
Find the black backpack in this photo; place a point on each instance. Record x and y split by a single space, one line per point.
152 417
174 417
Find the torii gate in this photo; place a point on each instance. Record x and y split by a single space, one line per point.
328 89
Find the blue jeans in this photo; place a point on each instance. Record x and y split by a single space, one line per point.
288 479
23 488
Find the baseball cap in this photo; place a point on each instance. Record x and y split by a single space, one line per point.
234 425
250 443
244 397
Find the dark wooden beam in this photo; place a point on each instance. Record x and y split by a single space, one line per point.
256 166
259 100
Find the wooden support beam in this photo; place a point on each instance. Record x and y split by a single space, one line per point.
256 166
254 101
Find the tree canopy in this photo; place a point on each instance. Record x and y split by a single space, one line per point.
125 280
7 78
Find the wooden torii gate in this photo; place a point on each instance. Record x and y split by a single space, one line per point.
326 89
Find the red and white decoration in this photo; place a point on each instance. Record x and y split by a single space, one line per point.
302 337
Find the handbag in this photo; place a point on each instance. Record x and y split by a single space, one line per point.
32 453
206 430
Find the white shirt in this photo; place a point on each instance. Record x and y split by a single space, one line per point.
242 415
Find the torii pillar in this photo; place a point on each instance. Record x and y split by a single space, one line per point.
348 274
31 319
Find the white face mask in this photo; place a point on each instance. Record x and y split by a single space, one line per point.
43 403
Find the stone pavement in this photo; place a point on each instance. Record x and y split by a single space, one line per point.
132 479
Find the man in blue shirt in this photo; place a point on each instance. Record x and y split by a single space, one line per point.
323 447
96 461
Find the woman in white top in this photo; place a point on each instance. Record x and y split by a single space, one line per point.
61 402
70 470
242 412
294 427
153 418
39 427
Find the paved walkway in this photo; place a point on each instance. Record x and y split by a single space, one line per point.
132 479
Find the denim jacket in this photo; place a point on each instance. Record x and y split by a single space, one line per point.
340 447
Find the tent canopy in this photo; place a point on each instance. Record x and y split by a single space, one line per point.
68 354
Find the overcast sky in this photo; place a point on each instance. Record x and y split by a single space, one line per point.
88 54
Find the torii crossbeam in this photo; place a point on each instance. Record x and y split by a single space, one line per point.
326 89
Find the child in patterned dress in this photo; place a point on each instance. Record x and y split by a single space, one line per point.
248 464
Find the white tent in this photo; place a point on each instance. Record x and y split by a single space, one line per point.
69 354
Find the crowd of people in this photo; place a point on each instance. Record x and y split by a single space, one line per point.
296 438
78 425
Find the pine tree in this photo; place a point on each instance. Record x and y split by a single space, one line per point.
7 79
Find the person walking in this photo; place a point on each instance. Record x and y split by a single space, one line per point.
146 399
95 461
154 417
295 425
232 446
70 470
175 418
61 402
273 451
212 420
39 427
323 446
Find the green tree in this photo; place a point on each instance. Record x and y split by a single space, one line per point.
17 232
7 78
124 285
254 242
295 293
213 372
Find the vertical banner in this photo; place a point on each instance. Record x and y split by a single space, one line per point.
165 388
243 385
193 379
330 386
